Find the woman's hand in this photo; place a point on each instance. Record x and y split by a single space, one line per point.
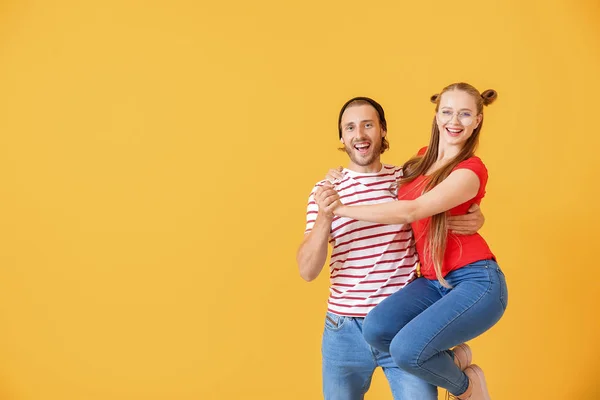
334 175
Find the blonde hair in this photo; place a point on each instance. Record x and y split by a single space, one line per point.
437 232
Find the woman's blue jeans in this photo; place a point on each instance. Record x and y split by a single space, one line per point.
420 323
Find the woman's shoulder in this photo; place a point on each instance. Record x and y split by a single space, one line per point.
471 162
478 167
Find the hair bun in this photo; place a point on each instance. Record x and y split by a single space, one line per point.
489 96
434 98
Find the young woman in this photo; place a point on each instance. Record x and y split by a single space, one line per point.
461 291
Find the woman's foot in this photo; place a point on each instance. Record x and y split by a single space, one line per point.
477 389
462 356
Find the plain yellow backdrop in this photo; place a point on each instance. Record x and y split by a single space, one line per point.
156 158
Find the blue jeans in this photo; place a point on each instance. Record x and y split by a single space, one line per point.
349 363
418 324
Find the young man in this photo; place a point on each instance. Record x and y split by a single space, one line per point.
368 261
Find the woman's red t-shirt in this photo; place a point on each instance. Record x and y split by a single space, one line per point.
460 249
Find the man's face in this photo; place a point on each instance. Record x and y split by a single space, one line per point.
362 134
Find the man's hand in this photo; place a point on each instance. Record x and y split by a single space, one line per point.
467 224
334 174
328 199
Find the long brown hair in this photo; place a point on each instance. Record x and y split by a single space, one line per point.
437 233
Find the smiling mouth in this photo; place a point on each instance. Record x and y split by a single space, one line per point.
454 131
362 148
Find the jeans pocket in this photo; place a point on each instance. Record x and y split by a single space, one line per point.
333 322
503 288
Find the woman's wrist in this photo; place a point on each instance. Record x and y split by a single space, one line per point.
340 211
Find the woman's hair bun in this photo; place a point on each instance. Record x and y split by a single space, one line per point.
489 96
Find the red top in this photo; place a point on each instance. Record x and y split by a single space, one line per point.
461 250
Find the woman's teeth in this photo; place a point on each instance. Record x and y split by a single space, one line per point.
453 131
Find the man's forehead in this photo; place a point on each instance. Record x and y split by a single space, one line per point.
362 112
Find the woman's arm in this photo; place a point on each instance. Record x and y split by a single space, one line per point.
460 186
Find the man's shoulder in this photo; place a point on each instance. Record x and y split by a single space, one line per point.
318 185
393 169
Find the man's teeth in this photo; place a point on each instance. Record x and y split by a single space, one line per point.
361 146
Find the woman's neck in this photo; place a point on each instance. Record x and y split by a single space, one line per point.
445 155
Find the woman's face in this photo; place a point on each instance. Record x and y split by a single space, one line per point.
457 117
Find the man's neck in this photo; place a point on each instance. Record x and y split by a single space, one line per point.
372 168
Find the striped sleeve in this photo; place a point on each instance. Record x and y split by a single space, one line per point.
312 209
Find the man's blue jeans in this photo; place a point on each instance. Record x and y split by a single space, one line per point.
349 363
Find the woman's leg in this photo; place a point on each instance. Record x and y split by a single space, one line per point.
474 304
384 322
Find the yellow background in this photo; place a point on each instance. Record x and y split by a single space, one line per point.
156 158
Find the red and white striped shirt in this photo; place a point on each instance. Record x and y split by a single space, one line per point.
369 261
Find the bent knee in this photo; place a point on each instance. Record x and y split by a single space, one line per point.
405 354
376 335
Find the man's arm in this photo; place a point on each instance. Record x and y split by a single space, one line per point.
467 224
312 254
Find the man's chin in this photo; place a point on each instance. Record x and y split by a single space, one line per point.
364 162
